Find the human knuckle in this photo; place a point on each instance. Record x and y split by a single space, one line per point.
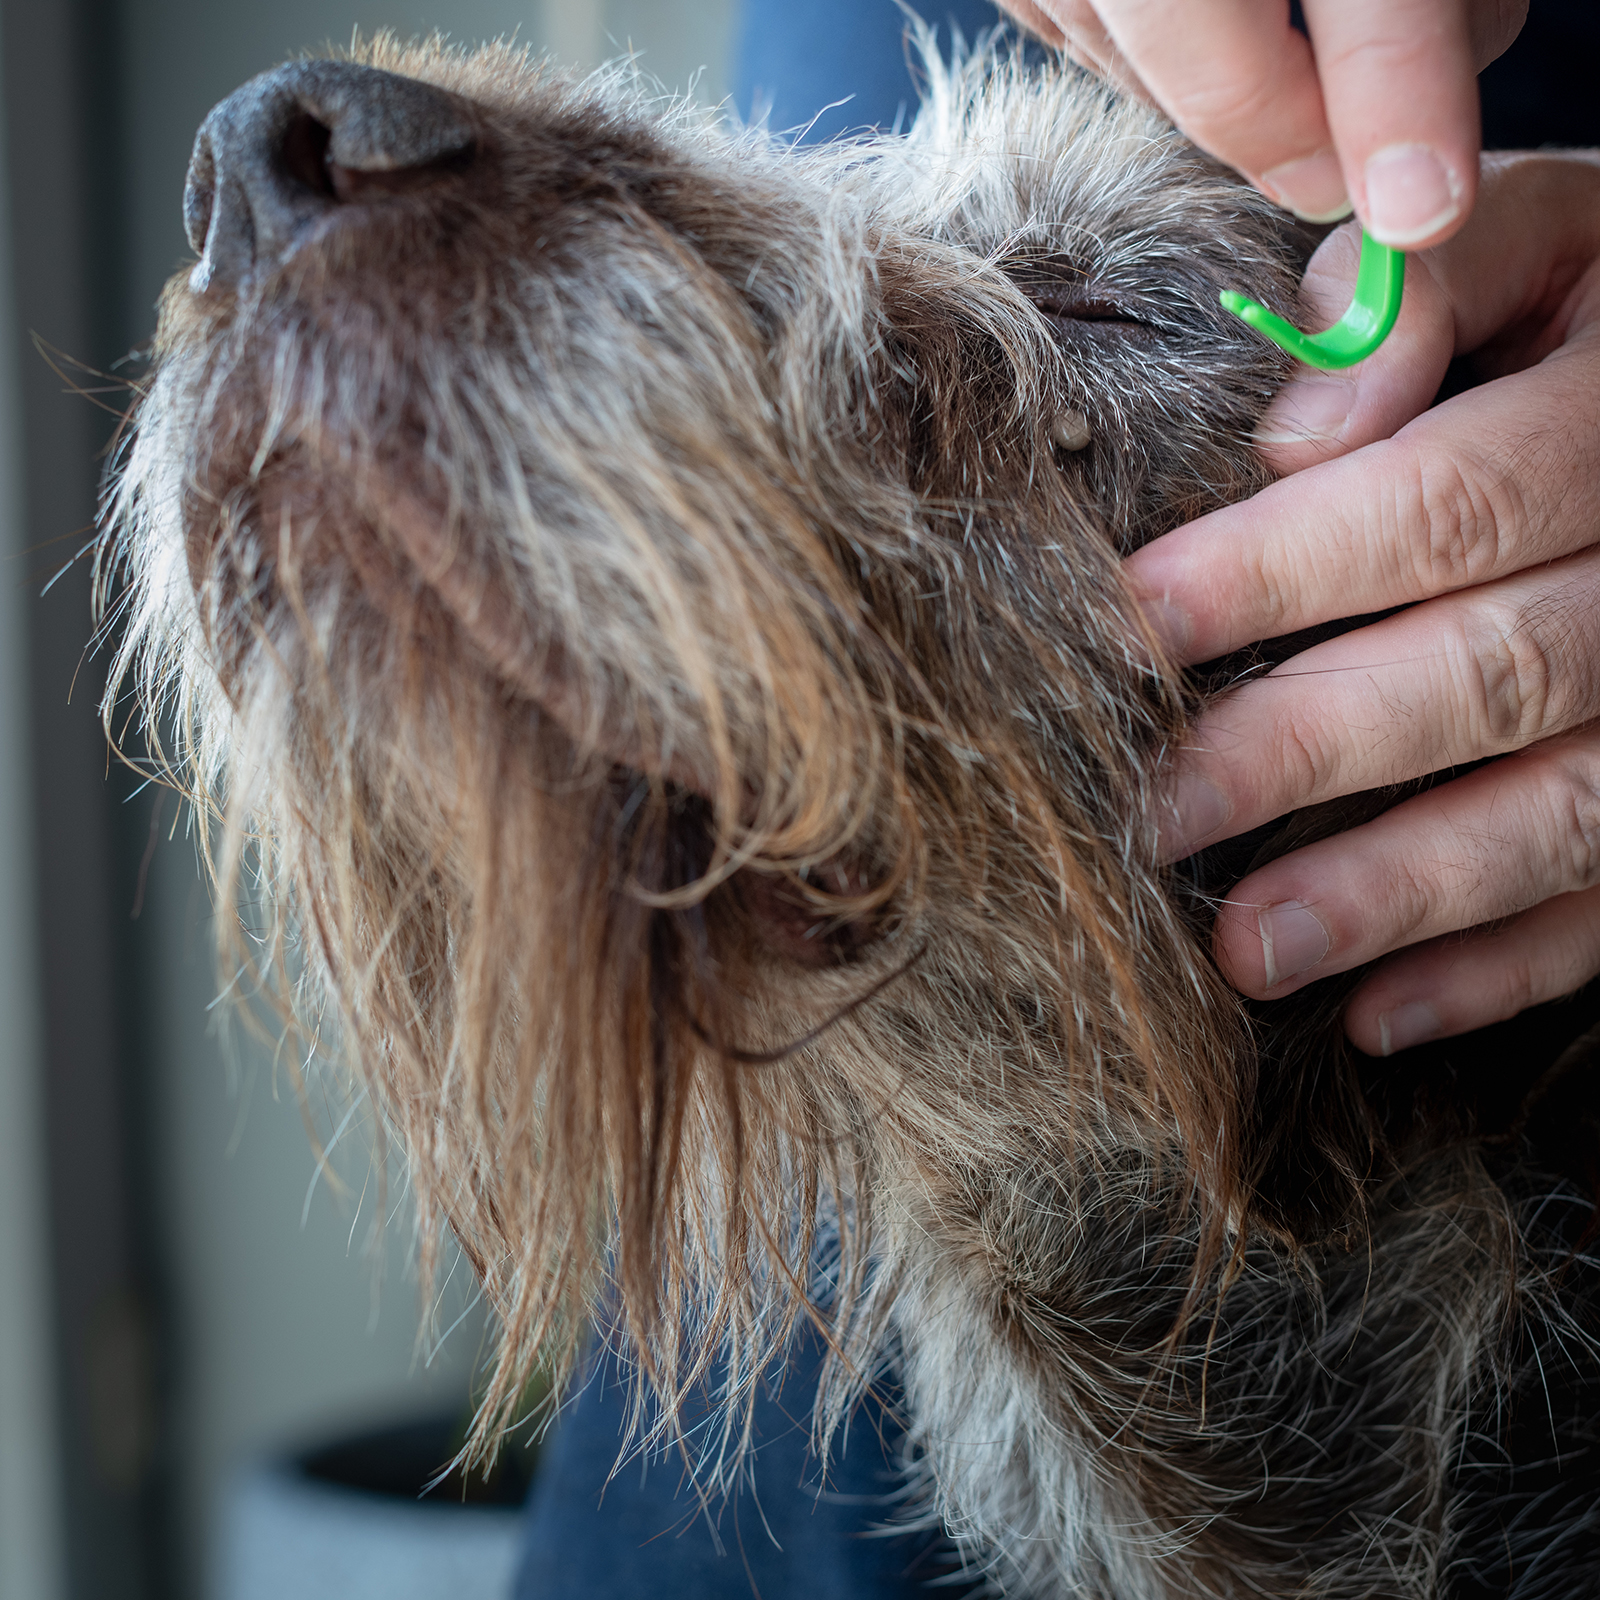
1410 896
1384 50
1492 25
1308 761
1274 590
1233 106
1465 511
1574 786
1511 657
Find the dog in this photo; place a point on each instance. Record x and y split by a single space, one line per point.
638 604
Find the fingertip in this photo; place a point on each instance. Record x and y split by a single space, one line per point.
1170 623
1189 812
1414 195
1361 1030
1318 416
1387 1029
1307 420
1236 949
1401 96
1312 186
1244 88
1268 950
1162 580
1459 982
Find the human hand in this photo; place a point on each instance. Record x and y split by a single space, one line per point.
1384 113
1482 517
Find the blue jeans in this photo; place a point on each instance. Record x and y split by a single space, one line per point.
789 1533
786 1536
838 66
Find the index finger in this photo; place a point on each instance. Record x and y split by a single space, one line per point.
1478 488
1241 82
1402 101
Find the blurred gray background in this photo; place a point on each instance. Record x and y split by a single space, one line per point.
178 1289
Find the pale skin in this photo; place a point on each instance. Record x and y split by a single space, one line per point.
1480 516
1378 110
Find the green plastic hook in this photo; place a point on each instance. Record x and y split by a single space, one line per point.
1379 280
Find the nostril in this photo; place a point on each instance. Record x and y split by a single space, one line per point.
308 158
303 155
281 152
350 184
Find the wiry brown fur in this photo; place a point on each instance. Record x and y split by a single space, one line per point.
630 619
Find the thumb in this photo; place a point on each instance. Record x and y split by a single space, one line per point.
1319 415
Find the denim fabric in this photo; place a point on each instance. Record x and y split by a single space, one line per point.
785 1535
804 57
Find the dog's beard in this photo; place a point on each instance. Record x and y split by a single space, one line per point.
698 779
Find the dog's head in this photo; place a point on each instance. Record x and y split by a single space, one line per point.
651 597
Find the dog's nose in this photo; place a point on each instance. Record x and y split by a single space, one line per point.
292 145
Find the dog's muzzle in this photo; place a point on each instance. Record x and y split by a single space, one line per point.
292 146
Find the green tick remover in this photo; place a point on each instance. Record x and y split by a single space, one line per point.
1379 280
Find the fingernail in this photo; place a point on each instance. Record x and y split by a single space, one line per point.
1312 187
1187 814
1309 408
1415 1022
1410 194
1169 623
1293 941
